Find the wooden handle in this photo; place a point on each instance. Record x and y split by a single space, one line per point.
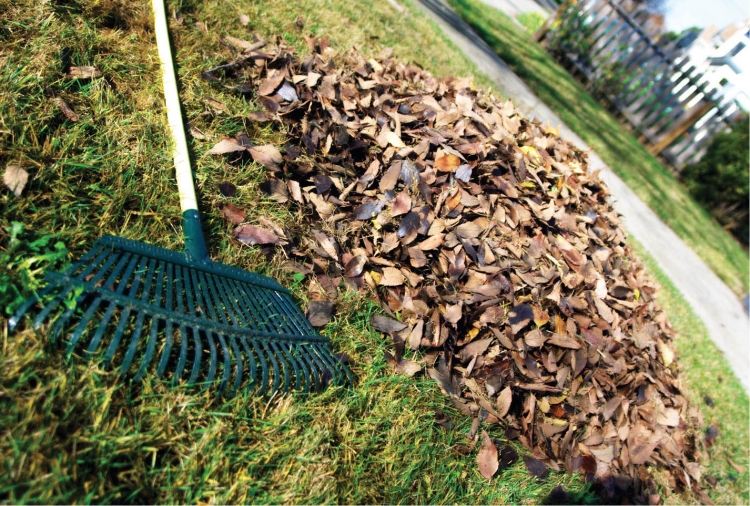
182 165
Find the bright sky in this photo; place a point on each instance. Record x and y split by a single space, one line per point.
683 14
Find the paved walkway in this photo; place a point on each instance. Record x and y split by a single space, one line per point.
709 297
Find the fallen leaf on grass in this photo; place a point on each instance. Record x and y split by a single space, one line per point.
66 109
227 189
226 145
319 312
487 457
83 72
231 212
386 325
252 235
536 467
15 179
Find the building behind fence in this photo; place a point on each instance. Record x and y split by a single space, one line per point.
670 95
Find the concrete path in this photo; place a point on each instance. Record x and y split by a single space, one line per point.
710 298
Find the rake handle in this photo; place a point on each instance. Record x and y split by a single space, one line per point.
195 245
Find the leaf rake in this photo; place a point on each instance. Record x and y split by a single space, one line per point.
182 310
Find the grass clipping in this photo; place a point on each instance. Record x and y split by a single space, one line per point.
495 252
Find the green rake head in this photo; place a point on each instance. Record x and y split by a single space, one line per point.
196 318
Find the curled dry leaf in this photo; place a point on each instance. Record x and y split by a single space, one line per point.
487 457
252 235
231 212
15 179
66 109
83 72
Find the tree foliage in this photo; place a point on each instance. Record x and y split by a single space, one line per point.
719 181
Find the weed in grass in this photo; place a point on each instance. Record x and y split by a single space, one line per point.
619 149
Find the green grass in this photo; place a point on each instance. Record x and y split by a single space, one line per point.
74 433
619 149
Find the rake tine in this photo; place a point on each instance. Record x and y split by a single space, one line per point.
250 310
168 332
229 301
227 363
23 308
275 365
199 354
283 363
151 347
239 366
313 368
213 363
252 380
125 313
215 300
130 354
95 250
200 301
295 365
60 323
251 305
327 358
184 341
84 321
263 368
94 343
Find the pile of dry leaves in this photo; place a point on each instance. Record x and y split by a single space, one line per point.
497 248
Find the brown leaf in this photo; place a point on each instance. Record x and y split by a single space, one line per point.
276 189
15 179
504 400
535 338
66 110
407 367
252 235
401 205
536 467
452 313
487 457
386 325
563 341
231 212
226 145
447 163
392 277
355 266
319 312
415 336
368 210
82 72
519 317
227 189
270 84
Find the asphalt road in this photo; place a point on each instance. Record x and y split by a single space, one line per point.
710 298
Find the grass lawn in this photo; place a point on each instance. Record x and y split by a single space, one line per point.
75 433
620 150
